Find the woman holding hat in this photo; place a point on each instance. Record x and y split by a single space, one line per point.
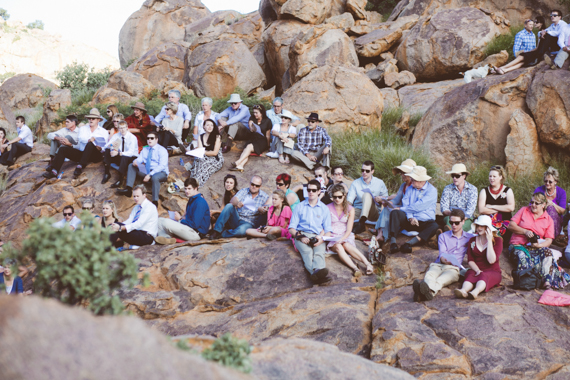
483 253
259 125
383 222
284 132
497 200
556 197
139 123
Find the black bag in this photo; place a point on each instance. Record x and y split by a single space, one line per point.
526 279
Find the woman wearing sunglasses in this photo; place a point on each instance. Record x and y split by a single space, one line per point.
555 196
533 232
342 220
283 182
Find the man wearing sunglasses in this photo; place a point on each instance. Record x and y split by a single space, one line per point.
461 195
69 219
242 212
564 44
552 39
152 164
313 144
233 122
364 194
311 220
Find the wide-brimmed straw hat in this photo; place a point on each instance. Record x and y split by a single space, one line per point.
419 173
458 169
235 98
286 114
140 106
406 166
94 114
482 220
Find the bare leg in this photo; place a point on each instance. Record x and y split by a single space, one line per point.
355 252
244 156
253 232
338 248
479 287
518 62
275 231
517 66
380 235
462 293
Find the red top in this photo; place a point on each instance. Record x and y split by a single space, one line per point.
144 125
543 226
279 221
480 258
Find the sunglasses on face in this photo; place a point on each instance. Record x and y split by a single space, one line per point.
535 203
233 104
554 15
337 196
312 190
548 181
151 138
365 170
312 121
279 184
67 213
456 176
255 185
454 223
318 175
115 121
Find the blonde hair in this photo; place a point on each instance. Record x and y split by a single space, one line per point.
551 172
281 194
121 123
172 106
113 108
113 208
118 116
540 197
501 170
340 188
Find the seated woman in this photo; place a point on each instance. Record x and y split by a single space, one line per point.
139 124
170 133
283 182
117 118
109 214
203 168
259 125
556 198
3 139
231 186
278 217
205 114
112 110
497 200
13 284
284 134
342 220
383 222
532 222
483 253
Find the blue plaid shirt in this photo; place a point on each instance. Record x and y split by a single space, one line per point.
308 140
525 41
260 200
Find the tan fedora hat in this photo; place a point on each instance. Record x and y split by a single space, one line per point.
406 166
140 106
419 173
94 114
458 169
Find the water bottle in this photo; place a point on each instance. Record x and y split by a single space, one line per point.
181 162
60 175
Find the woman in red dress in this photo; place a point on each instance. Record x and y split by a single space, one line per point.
483 253
139 124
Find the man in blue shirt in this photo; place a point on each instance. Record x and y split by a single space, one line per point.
19 145
193 225
364 194
152 164
525 40
311 220
233 122
417 212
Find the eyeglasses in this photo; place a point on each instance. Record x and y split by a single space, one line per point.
365 170
279 184
548 181
337 196
454 223
151 138
456 176
338 173
312 121
312 190
318 175
67 213
535 203
554 15
87 208
233 104
255 185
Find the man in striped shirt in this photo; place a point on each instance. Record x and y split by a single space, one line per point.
313 144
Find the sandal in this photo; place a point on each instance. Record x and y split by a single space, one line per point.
356 272
281 160
287 160
237 169
369 269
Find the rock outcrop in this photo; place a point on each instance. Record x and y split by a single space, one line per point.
344 97
399 79
377 42
58 99
165 61
24 90
131 83
417 98
107 95
522 149
195 29
156 23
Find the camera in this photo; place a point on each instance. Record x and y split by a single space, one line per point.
261 228
534 238
312 241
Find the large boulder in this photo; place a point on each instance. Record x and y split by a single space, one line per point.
441 46
132 83
309 11
108 95
522 149
377 42
165 61
195 29
357 8
24 90
471 122
377 73
317 47
157 22
344 97
362 27
549 101
57 100
217 68
417 98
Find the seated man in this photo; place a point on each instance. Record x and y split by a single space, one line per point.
564 44
193 225
242 212
19 145
152 164
445 270
273 114
122 149
417 212
549 38
233 122
67 136
92 138
182 111
69 219
312 219
324 180
313 144
363 195
461 195
142 225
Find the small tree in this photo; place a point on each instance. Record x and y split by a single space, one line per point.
78 267
38 24
230 352
4 14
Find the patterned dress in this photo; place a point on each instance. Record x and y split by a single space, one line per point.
541 259
338 225
203 168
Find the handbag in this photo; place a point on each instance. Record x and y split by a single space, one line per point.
526 279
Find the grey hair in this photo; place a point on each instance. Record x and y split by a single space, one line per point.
256 176
207 100
552 172
278 99
172 106
175 92
88 201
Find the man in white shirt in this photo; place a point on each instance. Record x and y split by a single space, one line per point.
183 112
122 149
142 225
273 114
550 37
564 43
364 194
19 145
69 219
66 136
92 138
152 164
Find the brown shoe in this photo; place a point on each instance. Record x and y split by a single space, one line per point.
164 240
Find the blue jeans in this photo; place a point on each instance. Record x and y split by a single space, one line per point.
229 223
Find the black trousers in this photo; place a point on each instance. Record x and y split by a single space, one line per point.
167 138
135 237
122 161
83 158
547 45
18 149
399 221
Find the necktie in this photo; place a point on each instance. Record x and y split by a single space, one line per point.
123 148
138 213
147 163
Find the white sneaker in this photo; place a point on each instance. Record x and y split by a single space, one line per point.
272 155
134 246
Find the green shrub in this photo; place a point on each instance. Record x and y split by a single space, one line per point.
384 7
230 352
504 42
4 14
77 267
80 77
38 24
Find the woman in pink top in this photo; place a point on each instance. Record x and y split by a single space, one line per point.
342 220
278 217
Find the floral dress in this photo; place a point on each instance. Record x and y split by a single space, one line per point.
203 168
338 226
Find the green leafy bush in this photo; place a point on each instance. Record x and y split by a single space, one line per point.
77 267
79 77
230 352
4 14
38 24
